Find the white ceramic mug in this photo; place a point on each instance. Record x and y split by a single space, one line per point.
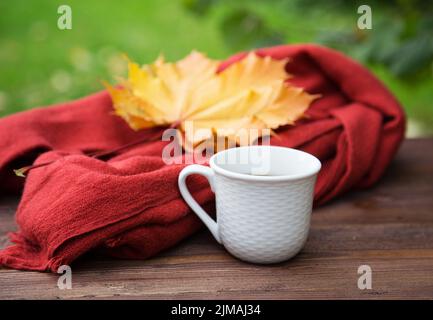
264 197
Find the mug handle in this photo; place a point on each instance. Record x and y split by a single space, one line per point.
209 174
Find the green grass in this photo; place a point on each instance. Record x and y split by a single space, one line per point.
42 65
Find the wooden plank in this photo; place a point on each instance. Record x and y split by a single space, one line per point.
389 227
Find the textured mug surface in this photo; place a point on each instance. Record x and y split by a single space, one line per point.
264 197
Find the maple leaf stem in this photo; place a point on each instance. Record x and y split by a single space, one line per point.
125 146
21 172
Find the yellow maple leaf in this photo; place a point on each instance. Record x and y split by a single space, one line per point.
248 94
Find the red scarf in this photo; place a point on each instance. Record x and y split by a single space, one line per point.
129 206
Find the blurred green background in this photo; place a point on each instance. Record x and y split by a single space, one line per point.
41 65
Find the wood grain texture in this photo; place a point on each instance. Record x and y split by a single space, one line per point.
389 227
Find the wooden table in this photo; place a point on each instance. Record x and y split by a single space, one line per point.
389 228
